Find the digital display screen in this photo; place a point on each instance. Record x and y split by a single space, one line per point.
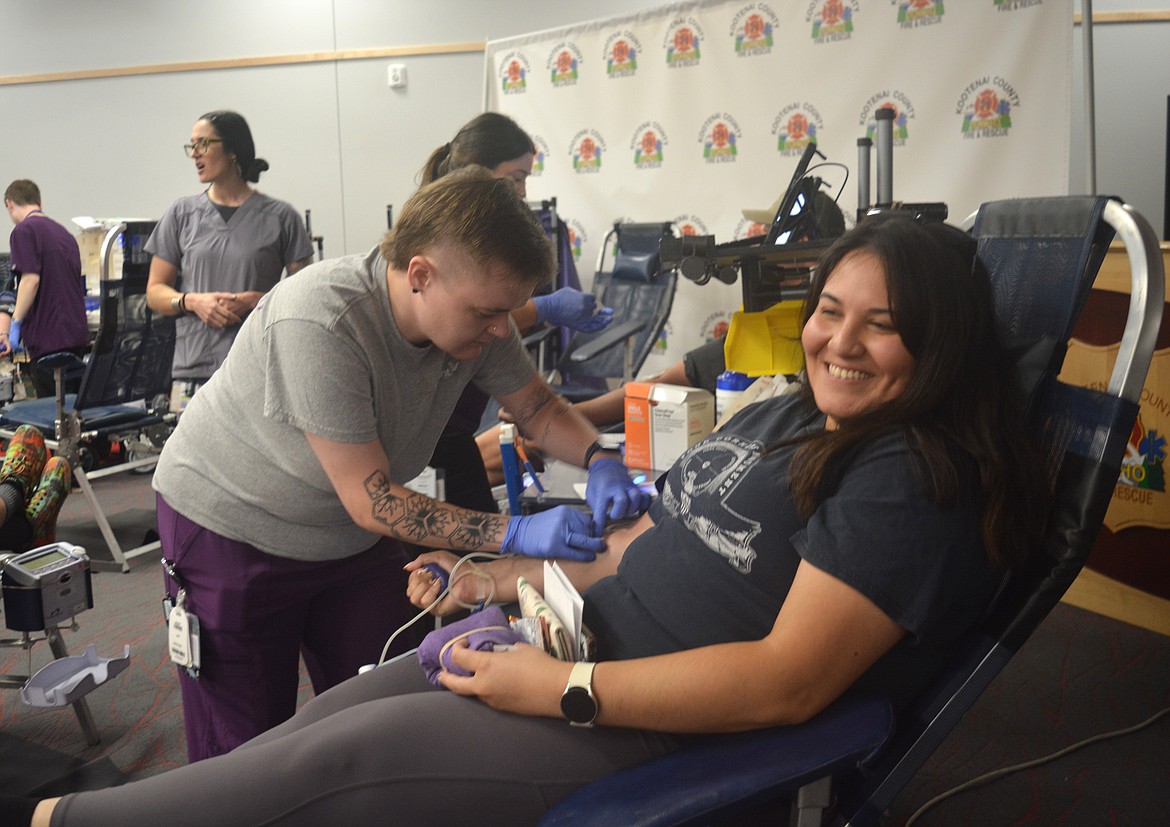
43 560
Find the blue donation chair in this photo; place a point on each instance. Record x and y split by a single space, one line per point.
124 388
857 755
641 297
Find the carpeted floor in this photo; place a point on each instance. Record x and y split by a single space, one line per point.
138 713
1079 676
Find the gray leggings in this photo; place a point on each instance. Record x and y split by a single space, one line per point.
385 748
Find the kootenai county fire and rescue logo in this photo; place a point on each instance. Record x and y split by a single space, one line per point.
1145 457
514 69
915 13
903 114
720 138
647 143
715 326
796 126
831 20
753 29
578 238
563 64
586 151
663 340
682 43
621 55
540 156
746 228
986 107
690 225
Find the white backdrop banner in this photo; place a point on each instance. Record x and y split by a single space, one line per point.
693 112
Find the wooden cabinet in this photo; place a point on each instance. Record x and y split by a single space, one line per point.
1134 546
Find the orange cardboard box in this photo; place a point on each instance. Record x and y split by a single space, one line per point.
638 424
662 421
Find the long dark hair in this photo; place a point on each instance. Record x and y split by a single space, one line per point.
237 140
487 140
961 404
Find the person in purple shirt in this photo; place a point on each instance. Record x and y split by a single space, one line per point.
49 310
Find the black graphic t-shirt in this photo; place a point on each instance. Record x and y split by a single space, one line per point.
727 541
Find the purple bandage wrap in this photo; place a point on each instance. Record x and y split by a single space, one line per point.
483 631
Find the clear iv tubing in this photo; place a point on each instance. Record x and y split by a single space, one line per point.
475 555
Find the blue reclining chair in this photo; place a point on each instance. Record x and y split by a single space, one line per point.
856 756
641 297
124 388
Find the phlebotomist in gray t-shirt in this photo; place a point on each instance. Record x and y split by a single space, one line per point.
218 252
281 498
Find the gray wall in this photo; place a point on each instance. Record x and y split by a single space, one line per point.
340 141
1132 82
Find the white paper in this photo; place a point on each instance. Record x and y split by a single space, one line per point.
562 597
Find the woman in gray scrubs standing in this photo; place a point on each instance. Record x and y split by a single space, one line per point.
216 253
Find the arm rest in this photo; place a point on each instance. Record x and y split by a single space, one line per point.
537 336
724 771
612 335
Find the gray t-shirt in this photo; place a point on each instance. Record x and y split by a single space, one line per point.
248 252
727 540
320 354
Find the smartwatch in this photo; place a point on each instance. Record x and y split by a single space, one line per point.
578 704
593 449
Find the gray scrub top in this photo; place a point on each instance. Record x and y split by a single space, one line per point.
321 354
248 252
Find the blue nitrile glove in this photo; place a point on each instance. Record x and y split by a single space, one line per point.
610 492
14 335
558 532
572 308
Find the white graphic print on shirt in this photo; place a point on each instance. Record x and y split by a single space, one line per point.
714 468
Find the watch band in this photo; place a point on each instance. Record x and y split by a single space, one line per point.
582 675
593 449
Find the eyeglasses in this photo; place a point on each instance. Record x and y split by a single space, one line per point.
201 146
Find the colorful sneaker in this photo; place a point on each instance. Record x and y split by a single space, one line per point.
46 501
25 460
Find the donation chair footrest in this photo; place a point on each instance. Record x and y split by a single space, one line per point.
68 680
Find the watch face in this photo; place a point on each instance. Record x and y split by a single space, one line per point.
578 706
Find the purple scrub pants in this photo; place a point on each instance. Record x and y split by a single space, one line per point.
258 613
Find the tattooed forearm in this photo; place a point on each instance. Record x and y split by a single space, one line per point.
540 399
543 403
475 529
424 521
